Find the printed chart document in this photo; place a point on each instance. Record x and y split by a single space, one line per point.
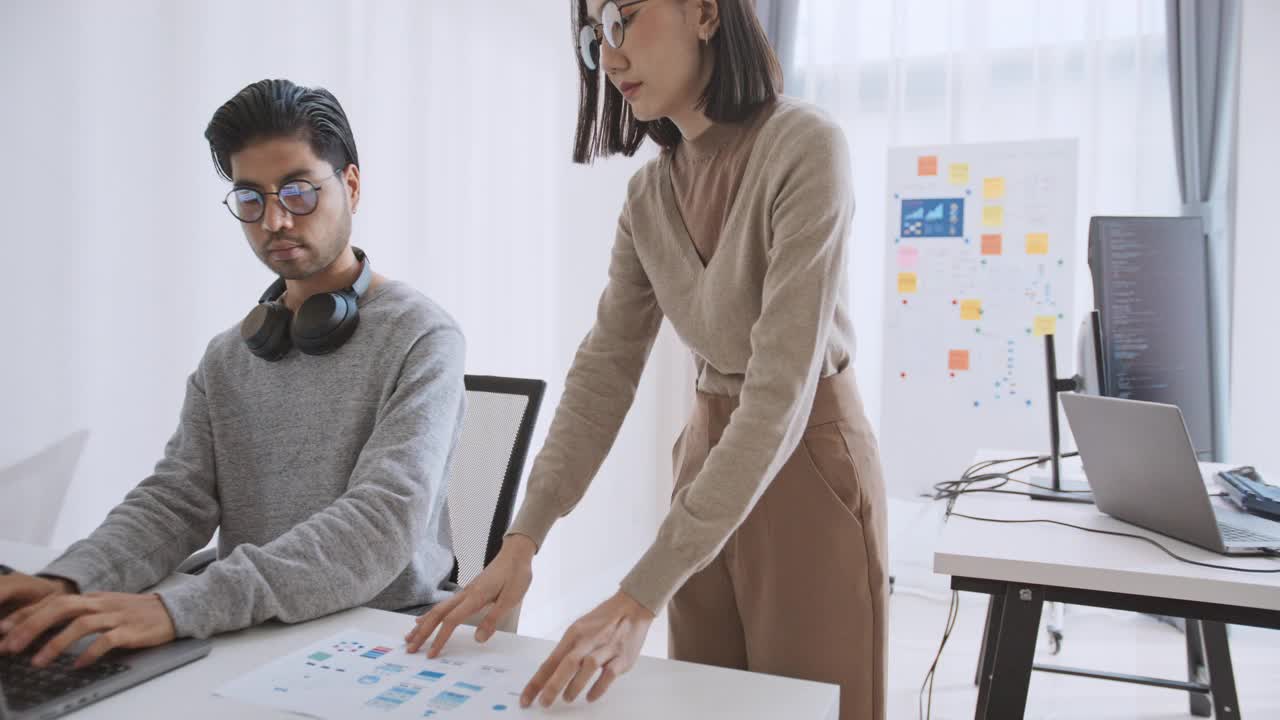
362 674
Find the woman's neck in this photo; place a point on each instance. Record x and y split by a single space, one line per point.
691 124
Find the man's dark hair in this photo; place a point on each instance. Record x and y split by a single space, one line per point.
746 76
271 109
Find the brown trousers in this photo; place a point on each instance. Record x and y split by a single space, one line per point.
801 587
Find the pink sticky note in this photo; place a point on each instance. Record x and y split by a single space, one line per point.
908 256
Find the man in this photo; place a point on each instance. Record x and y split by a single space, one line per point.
314 437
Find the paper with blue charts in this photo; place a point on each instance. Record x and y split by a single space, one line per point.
362 674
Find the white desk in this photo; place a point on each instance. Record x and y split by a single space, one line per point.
653 689
1023 566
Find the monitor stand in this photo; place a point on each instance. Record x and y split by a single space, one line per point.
1058 488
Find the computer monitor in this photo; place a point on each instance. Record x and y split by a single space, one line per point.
1151 286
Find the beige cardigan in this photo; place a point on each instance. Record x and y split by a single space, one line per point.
765 319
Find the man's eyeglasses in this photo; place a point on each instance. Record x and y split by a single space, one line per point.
612 29
297 197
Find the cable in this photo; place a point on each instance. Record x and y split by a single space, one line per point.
1166 550
951 489
926 711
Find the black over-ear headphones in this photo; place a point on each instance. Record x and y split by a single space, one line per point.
323 323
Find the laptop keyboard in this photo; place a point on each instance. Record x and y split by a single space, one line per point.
1231 533
26 686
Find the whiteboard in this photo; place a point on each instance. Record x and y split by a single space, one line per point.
980 265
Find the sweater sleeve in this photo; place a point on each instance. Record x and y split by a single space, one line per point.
345 554
168 516
598 391
811 211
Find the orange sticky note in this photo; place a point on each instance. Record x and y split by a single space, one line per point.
970 309
992 244
927 165
1045 325
958 360
993 215
992 188
1038 243
906 282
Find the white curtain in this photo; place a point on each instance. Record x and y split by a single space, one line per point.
122 263
915 72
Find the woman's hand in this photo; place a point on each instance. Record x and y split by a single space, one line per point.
500 587
606 640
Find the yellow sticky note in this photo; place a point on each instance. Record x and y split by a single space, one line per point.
993 188
970 309
993 215
959 173
1045 325
906 282
1037 243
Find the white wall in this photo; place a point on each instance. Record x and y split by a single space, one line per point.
1255 351
120 262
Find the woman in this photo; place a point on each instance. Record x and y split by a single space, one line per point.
772 557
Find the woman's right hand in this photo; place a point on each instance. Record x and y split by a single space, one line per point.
499 587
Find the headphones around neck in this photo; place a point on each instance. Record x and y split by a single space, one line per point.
323 323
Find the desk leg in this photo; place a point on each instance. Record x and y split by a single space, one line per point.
1196 670
990 631
1222 682
1009 668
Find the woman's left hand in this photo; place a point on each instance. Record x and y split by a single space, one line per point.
606 640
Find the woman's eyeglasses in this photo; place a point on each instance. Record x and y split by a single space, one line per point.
612 29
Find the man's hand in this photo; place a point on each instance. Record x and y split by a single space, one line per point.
124 620
18 591
606 640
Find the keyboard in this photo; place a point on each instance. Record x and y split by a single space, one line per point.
26 686
1231 533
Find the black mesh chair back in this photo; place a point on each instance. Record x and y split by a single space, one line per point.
487 465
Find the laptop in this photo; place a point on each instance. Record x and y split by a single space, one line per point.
29 693
1142 468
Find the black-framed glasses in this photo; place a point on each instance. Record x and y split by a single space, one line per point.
297 197
612 29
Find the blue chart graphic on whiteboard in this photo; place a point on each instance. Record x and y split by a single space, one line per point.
942 217
357 674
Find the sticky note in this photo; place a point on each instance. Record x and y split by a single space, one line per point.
1037 243
993 188
993 215
908 257
906 282
992 244
958 360
927 165
1045 325
959 173
970 309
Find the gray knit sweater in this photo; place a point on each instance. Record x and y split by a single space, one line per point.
325 477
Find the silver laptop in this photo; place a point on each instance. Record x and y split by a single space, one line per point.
28 693
1142 468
